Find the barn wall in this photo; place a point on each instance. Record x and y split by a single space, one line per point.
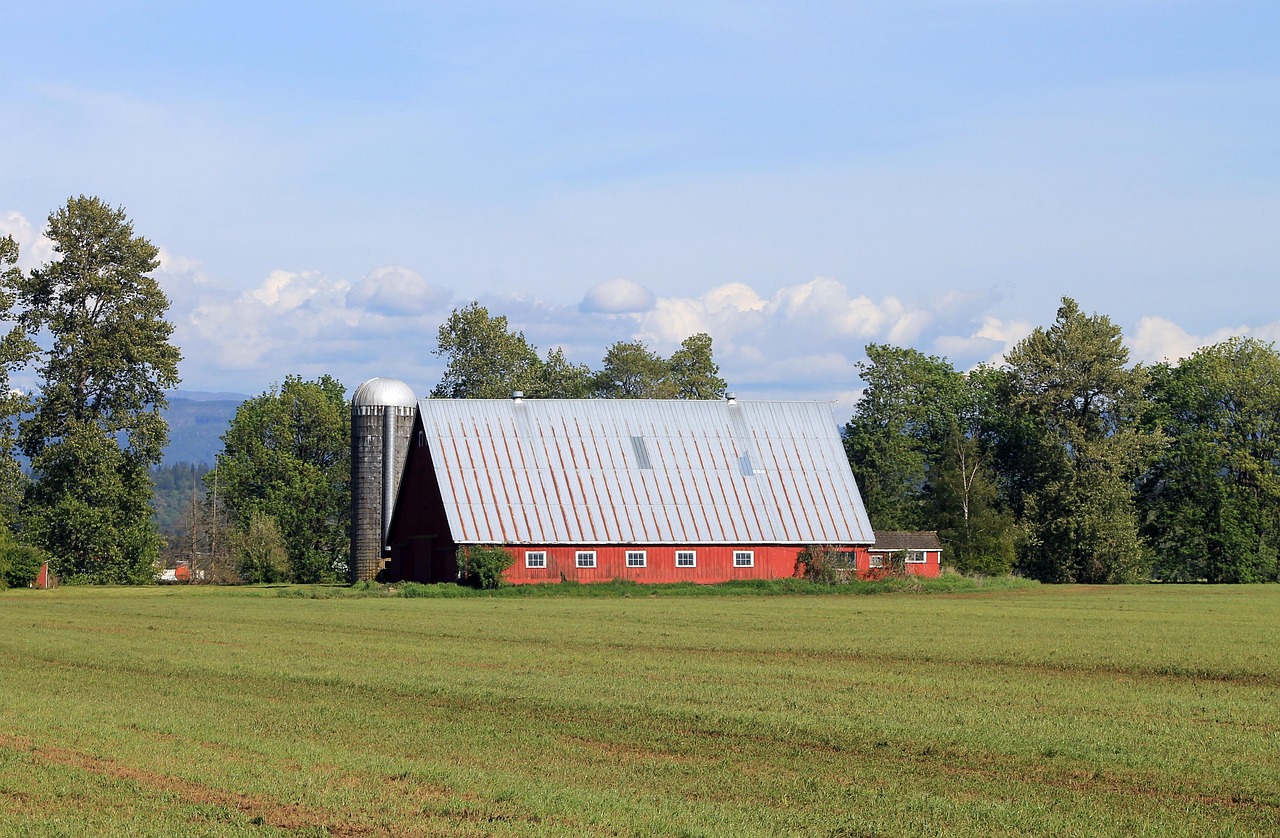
714 563
931 568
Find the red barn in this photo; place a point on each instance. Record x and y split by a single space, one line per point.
648 490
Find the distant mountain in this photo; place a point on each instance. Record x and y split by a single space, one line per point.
197 422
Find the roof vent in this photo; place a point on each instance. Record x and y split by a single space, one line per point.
732 398
517 396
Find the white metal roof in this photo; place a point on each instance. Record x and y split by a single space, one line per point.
631 471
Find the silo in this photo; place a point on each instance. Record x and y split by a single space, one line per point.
382 412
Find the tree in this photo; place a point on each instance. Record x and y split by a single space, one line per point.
694 373
287 455
561 379
16 349
1074 449
920 444
96 426
1212 497
486 359
633 371
900 428
259 551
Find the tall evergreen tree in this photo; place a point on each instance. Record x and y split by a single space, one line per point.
1073 449
96 425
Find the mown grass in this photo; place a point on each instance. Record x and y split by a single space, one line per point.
1038 710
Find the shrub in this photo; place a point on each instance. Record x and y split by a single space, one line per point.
824 564
482 567
259 551
20 565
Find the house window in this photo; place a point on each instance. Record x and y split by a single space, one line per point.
744 558
686 558
535 558
635 558
915 557
586 558
877 560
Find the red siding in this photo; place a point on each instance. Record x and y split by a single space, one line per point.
713 563
931 567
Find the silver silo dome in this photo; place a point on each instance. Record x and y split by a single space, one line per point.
382 412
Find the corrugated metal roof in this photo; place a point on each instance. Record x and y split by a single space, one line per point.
907 540
631 471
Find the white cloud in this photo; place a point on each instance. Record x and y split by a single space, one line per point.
617 296
395 291
1160 339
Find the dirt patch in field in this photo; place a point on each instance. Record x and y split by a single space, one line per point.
258 810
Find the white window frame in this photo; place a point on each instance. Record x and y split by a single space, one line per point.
535 558
744 558
585 558
917 557
876 560
693 558
637 558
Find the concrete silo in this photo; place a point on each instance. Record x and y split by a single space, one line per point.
382 412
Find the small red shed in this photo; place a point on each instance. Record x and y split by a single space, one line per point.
648 490
921 553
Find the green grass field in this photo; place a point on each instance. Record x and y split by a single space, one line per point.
1034 711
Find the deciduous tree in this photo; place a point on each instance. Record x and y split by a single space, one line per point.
1212 497
287 455
96 425
486 360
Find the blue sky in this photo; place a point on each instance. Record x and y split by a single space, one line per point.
328 180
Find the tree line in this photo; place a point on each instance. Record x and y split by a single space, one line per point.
1064 463
1067 464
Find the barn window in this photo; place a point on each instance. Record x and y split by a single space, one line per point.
586 558
877 560
635 558
686 558
744 558
915 557
535 558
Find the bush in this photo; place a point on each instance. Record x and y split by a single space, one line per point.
824 564
259 551
20 565
482 567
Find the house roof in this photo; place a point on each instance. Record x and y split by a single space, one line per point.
906 540
633 471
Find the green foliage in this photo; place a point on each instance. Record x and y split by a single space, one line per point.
482 567
95 427
258 550
1212 497
485 359
287 455
88 507
16 349
19 563
693 372
1074 406
634 371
